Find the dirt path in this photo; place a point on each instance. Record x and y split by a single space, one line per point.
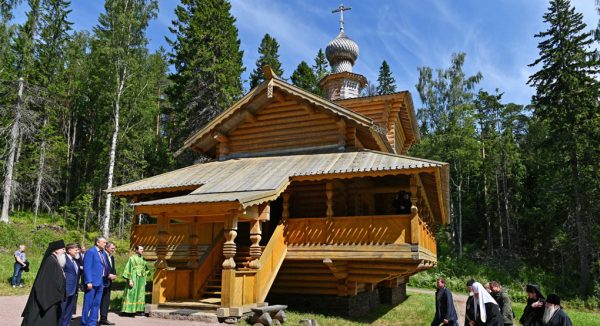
12 306
460 300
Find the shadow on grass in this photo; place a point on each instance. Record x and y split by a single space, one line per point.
373 316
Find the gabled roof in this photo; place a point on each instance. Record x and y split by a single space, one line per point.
258 97
408 118
251 181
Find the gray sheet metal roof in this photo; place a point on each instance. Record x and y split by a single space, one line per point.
254 180
261 173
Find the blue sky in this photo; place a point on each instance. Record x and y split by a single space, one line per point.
497 35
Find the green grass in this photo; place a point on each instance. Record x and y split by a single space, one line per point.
416 310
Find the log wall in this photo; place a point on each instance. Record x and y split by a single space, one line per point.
286 125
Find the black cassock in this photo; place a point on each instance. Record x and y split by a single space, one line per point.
492 314
560 318
43 305
470 310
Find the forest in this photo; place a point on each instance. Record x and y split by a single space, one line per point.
84 110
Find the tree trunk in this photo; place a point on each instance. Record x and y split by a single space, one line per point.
498 206
488 220
506 204
113 151
460 221
582 239
40 179
14 139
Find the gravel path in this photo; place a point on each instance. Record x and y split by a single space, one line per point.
12 307
460 301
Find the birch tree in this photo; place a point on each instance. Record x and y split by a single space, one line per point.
120 45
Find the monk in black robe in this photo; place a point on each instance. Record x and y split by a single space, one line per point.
48 291
554 315
487 311
470 306
534 310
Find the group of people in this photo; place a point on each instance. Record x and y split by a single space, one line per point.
489 304
65 269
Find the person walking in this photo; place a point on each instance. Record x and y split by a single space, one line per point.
487 311
105 302
470 305
95 274
501 296
134 295
534 310
48 291
554 315
20 263
71 270
444 305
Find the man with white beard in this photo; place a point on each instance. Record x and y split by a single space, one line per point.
554 315
48 291
71 270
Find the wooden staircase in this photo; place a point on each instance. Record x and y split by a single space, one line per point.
212 286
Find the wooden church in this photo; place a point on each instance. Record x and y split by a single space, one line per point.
308 201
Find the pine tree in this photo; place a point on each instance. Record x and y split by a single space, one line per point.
269 55
321 67
567 93
304 78
208 64
387 83
50 66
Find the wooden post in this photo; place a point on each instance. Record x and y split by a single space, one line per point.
160 273
255 250
414 211
329 194
285 214
229 247
329 213
194 240
228 284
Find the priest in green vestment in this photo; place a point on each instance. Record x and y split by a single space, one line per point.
136 270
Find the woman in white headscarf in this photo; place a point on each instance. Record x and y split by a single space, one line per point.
487 311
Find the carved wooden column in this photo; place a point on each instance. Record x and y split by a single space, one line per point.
329 194
228 279
194 240
285 214
414 211
160 273
255 250
329 212
229 247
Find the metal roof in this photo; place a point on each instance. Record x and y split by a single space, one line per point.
254 180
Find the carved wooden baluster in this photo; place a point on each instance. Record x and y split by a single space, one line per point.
255 250
229 247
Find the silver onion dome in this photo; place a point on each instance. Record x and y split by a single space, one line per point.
341 53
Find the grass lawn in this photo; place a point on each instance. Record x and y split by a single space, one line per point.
416 310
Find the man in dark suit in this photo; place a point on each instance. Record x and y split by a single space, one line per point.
112 274
444 305
71 270
95 270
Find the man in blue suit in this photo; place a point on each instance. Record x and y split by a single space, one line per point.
71 270
95 274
